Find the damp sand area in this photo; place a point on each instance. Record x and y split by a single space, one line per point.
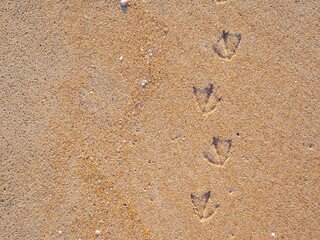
159 119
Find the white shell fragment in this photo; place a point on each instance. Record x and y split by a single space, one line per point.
144 83
124 3
97 233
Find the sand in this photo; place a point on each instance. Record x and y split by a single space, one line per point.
170 120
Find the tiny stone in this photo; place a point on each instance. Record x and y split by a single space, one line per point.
97 233
121 58
60 232
144 83
124 3
273 234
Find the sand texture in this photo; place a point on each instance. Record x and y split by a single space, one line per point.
160 120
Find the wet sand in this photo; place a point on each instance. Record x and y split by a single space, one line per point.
171 120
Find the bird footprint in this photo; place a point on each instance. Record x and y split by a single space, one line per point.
218 151
227 45
203 205
206 98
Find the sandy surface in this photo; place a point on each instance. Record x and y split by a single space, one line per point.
173 120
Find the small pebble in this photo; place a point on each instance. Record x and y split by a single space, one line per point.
124 3
60 232
273 234
121 58
97 233
144 83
